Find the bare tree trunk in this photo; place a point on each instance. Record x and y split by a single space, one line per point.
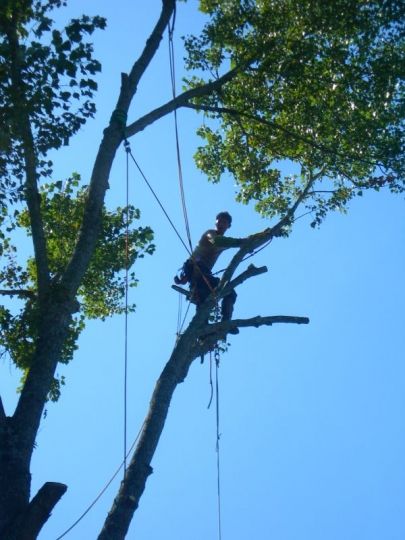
197 340
18 432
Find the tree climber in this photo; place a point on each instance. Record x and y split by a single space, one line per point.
197 270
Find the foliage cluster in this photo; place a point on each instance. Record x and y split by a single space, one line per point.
321 85
103 289
46 74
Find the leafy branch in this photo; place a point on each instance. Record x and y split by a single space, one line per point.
274 125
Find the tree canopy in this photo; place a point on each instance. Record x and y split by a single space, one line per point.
321 85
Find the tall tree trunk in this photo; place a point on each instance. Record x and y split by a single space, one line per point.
18 433
15 478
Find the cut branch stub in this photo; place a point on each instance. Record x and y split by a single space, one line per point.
30 522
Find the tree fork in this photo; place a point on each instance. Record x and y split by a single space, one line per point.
189 347
29 522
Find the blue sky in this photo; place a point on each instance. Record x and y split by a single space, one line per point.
312 417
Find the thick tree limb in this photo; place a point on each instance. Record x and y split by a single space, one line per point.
113 136
198 339
23 128
224 327
25 293
36 515
181 101
130 82
127 499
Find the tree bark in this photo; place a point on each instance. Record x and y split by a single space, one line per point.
29 523
183 100
199 338
22 127
18 433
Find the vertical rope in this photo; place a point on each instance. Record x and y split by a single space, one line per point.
179 167
217 443
217 358
211 385
127 149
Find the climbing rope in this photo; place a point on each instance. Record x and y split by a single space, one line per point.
127 150
156 198
78 520
217 358
181 320
179 166
176 130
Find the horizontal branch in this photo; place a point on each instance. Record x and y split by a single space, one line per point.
21 292
225 326
212 333
180 101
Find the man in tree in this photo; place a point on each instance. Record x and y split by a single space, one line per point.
198 269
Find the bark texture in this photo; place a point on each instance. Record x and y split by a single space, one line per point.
198 339
28 524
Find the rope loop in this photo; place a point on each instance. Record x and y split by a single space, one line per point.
120 117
